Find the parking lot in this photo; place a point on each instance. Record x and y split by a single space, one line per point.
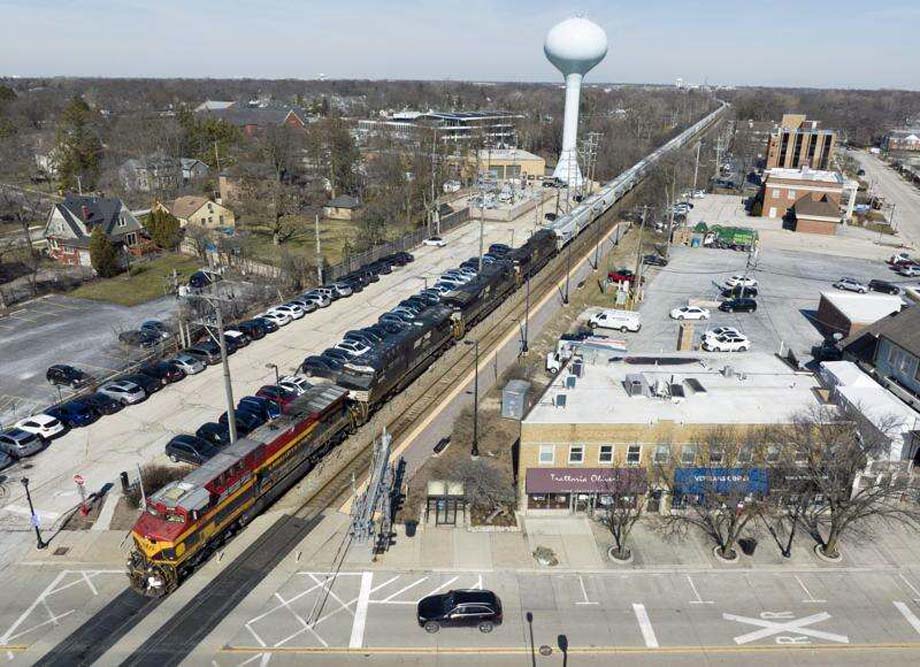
58 329
789 287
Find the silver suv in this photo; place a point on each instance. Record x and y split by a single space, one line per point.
123 391
18 443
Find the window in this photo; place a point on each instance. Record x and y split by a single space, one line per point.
801 456
633 455
790 194
547 454
746 454
662 453
716 455
577 454
899 359
122 222
606 454
777 193
772 454
688 455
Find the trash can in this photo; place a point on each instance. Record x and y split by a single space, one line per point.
410 528
748 545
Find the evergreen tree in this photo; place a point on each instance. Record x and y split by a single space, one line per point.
102 254
164 229
79 148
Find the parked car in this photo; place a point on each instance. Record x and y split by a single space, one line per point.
621 275
320 366
900 258
259 405
6 460
741 280
690 313
727 343
435 241
214 433
353 283
739 291
295 383
190 449
381 267
102 404
188 363
910 270
365 336
74 413
851 285
128 393
246 422
207 352
654 260
499 249
156 327
68 376
19 444
353 347
45 426
340 355
148 384
610 318
142 339
277 318
164 371
254 329
327 292
318 299
721 331
739 305
884 286
292 310
477 608
237 337
279 395
341 289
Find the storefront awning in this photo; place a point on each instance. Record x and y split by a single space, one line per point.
586 480
720 480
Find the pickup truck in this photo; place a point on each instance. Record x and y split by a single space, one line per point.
568 346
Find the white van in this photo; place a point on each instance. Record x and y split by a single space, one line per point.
624 320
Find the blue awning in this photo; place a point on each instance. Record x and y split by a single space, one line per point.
720 480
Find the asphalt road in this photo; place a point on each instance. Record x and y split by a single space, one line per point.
905 196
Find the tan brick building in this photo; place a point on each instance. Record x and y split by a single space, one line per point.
798 142
596 423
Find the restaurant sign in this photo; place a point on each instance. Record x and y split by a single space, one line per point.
586 480
720 480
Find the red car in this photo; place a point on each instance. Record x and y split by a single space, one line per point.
621 275
279 395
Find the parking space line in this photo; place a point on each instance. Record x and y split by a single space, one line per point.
364 595
699 599
908 615
910 586
299 618
335 597
584 592
402 590
645 625
444 585
811 598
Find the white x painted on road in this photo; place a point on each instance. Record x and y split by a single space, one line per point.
795 626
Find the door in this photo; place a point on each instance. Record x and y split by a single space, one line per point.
772 212
583 503
446 512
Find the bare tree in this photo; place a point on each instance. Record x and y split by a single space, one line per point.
625 493
486 484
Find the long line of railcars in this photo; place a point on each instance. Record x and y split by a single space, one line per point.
185 521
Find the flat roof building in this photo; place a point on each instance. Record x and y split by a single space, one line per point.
450 127
798 142
811 200
847 313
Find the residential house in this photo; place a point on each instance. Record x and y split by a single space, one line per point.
254 119
343 207
71 223
194 210
192 169
890 349
902 141
214 105
151 173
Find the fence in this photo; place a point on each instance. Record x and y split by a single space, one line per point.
404 242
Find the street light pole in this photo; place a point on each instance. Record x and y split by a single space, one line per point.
33 517
568 270
228 387
474 452
277 375
526 346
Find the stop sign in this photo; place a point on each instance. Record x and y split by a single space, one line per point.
79 479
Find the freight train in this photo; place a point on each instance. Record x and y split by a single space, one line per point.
187 520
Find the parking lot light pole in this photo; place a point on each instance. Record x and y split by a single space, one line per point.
526 345
33 517
474 452
277 375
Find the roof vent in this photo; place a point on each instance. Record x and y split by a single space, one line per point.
560 401
637 385
728 371
570 382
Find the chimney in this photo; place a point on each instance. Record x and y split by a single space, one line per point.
87 214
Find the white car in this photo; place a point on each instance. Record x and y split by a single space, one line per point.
741 280
453 280
319 298
353 347
910 270
690 313
721 331
292 310
43 425
699 194
443 288
435 241
851 285
296 383
727 343
278 317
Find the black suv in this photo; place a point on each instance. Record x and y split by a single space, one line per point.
476 608
884 286
67 375
738 306
739 292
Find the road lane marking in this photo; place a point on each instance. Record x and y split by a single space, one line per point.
584 592
699 599
645 625
793 625
908 615
911 586
364 597
811 598
306 626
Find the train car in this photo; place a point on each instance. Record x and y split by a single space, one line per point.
186 520
534 254
381 373
479 297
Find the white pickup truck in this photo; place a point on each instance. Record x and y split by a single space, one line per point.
570 345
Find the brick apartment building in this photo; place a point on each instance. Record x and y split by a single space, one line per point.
810 199
905 141
797 142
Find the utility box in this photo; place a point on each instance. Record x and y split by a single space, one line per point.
514 399
685 337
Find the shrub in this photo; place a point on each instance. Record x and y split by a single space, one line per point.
155 477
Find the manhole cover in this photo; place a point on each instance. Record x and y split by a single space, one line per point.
546 650
61 551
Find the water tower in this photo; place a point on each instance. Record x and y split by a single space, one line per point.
574 47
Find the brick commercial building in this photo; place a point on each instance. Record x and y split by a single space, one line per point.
797 142
816 198
847 313
621 423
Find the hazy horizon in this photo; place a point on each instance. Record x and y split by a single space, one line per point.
477 41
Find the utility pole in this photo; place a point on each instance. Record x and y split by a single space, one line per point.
639 248
670 196
319 252
474 452
526 345
79 185
216 157
696 168
568 270
719 155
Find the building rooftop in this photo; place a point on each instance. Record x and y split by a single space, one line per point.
506 154
805 174
747 388
864 308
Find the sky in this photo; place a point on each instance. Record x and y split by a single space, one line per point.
846 43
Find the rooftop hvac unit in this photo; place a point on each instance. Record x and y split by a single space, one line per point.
578 367
637 385
570 382
560 400
728 371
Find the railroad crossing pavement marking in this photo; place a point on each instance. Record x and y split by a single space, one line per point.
699 599
56 586
908 615
911 587
798 629
811 598
645 625
364 596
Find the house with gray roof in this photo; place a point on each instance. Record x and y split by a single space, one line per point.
72 222
151 173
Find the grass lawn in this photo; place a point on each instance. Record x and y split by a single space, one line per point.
144 282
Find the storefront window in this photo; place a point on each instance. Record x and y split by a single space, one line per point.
606 454
548 501
633 455
576 454
547 454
